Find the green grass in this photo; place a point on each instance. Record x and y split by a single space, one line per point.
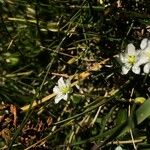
41 41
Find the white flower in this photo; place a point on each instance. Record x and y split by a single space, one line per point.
62 90
118 148
145 55
129 60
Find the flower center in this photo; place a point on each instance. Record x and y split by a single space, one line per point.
131 59
65 90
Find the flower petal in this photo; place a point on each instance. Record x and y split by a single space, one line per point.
147 68
56 90
139 52
142 60
125 69
131 49
123 58
65 97
144 43
147 49
136 69
61 83
118 148
58 98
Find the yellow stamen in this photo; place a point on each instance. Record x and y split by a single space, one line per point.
131 59
65 90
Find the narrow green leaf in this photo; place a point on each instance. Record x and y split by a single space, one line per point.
143 111
121 117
